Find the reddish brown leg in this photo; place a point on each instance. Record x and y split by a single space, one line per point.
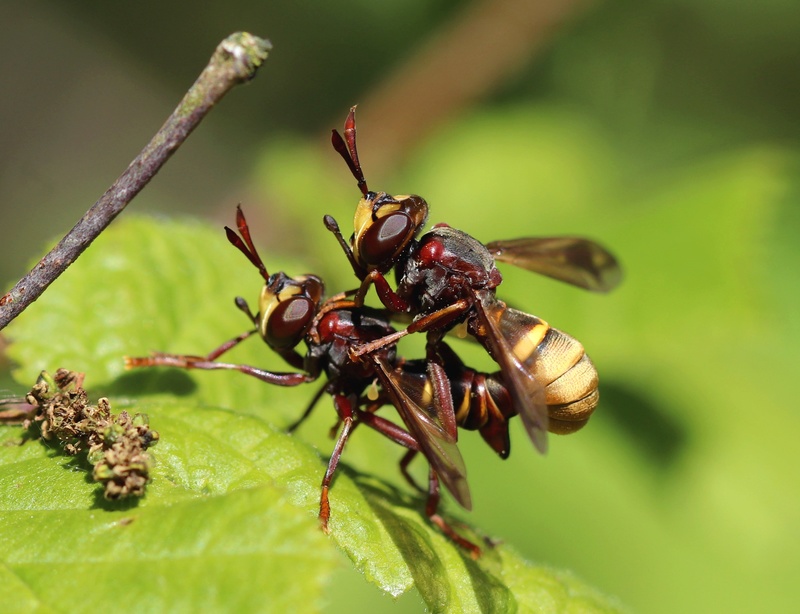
229 344
157 358
396 434
404 463
344 408
213 355
293 426
437 319
389 429
431 507
440 318
332 226
198 362
404 438
390 299
355 352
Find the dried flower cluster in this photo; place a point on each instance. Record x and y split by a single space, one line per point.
115 445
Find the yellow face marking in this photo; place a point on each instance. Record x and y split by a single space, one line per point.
385 210
362 217
268 301
364 214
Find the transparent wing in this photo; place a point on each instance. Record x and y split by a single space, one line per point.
577 261
412 396
511 338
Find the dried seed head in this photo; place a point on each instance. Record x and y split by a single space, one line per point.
115 445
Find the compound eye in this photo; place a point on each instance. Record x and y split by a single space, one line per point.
288 322
385 237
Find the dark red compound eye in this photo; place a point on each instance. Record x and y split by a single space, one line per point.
288 323
385 238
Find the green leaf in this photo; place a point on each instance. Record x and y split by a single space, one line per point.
210 524
229 520
688 463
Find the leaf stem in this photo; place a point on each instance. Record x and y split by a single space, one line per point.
234 61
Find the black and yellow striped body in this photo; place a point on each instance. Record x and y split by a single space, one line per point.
558 362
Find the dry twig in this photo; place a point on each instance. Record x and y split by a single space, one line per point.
234 61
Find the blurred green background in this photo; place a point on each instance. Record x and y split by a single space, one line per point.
668 130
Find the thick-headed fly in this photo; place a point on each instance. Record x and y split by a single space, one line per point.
446 277
286 316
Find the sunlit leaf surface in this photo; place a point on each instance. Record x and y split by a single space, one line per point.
229 520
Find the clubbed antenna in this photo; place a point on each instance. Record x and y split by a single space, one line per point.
245 243
347 149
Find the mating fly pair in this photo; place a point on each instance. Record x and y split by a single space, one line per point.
290 310
444 278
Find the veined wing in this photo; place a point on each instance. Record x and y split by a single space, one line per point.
577 261
512 338
414 401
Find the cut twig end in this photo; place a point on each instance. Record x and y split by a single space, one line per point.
244 52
